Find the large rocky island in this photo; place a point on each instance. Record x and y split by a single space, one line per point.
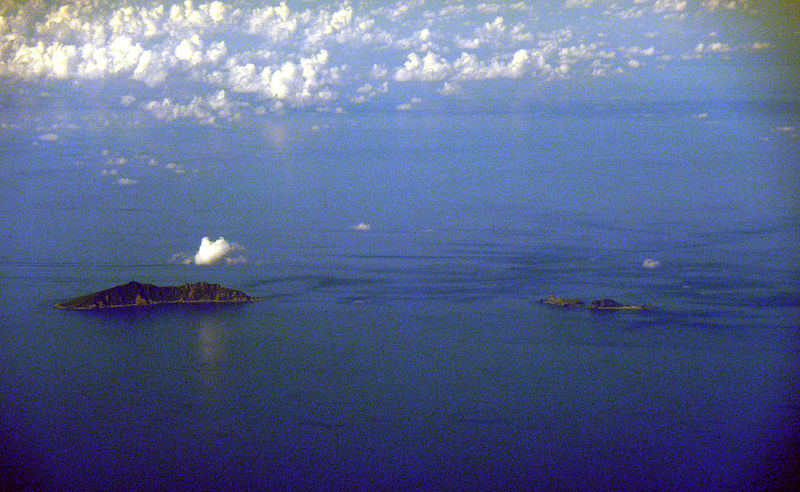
137 294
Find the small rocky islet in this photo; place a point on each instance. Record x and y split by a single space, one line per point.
597 305
135 294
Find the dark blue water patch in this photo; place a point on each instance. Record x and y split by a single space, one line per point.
312 281
336 405
132 315
783 299
397 359
355 299
402 257
325 282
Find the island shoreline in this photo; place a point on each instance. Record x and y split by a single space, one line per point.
138 295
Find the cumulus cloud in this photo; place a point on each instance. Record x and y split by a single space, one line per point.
126 182
713 5
206 109
450 89
408 106
715 47
651 264
299 82
284 55
579 3
431 67
213 252
362 227
369 91
176 168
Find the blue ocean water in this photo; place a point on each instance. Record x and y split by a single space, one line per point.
412 355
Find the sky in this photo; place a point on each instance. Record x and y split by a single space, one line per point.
210 62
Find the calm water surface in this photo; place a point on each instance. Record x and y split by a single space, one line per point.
413 355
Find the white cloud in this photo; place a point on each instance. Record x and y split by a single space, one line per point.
123 54
713 5
176 168
341 18
369 91
469 67
276 22
379 72
213 252
661 6
216 52
450 89
236 260
182 258
715 47
636 50
362 227
298 83
579 3
408 106
126 182
151 69
283 80
651 264
206 109
497 25
431 67
304 57
518 63
190 50
48 137
467 43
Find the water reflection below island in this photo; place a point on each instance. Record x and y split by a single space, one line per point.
211 354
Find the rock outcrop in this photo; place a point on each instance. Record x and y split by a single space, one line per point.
598 305
611 304
137 294
561 302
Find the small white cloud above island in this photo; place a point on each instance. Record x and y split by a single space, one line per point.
213 252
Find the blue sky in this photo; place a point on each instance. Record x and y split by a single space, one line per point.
217 61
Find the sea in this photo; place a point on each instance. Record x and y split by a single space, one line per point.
409 353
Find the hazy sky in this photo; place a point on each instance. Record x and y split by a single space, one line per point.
228 60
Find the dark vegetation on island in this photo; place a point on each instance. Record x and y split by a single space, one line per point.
141 295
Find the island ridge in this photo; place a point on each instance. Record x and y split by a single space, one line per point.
138 294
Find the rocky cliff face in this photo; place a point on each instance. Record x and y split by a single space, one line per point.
137 294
